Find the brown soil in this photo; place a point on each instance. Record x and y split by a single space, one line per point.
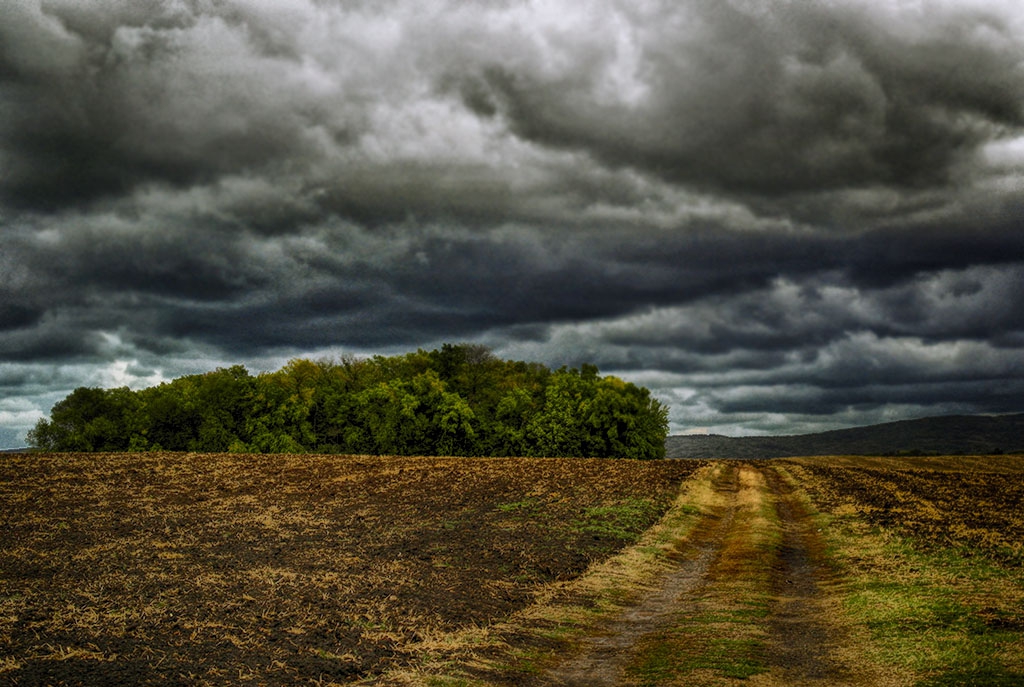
978 508
270 570
184 569
802 633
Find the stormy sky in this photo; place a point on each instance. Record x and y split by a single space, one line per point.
779 215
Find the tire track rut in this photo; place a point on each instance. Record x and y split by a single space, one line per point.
799 642
801 638
603 658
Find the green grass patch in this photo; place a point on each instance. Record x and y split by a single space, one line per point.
625 520
987 675
446 681
669 656
527 507
943 615
723 635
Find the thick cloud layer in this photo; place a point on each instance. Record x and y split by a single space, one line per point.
781 216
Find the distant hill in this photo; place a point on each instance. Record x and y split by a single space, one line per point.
947 435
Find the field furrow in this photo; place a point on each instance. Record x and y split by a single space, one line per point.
198 569
226 569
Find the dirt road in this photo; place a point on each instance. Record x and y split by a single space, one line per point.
748 601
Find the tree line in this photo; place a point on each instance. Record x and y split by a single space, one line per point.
457 400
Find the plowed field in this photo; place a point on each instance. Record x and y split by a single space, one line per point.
240 569
940 502
185 569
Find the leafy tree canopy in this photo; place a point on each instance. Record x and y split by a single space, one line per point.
457 400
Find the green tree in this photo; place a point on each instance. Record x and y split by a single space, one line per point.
223 403
623 421
172 414
457 400
281 415
512 418
558 429
445 420
386 413
88 419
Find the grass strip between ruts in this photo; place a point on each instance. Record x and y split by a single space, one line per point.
722 634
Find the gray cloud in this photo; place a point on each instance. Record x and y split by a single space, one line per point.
811 97
770 213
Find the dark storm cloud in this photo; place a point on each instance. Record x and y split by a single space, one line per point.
16 316
806 97
108 99
762 210
988 396
813 97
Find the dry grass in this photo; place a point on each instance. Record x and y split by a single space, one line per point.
532 640
929 552
974 503
721 634
226 569
118 569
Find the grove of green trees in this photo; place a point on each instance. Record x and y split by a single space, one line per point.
457 400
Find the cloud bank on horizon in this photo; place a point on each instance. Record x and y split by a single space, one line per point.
780 216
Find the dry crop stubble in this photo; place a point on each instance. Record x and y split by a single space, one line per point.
204 569
929 551
566 616
941 502
221 569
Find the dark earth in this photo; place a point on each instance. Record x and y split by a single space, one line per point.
177 569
